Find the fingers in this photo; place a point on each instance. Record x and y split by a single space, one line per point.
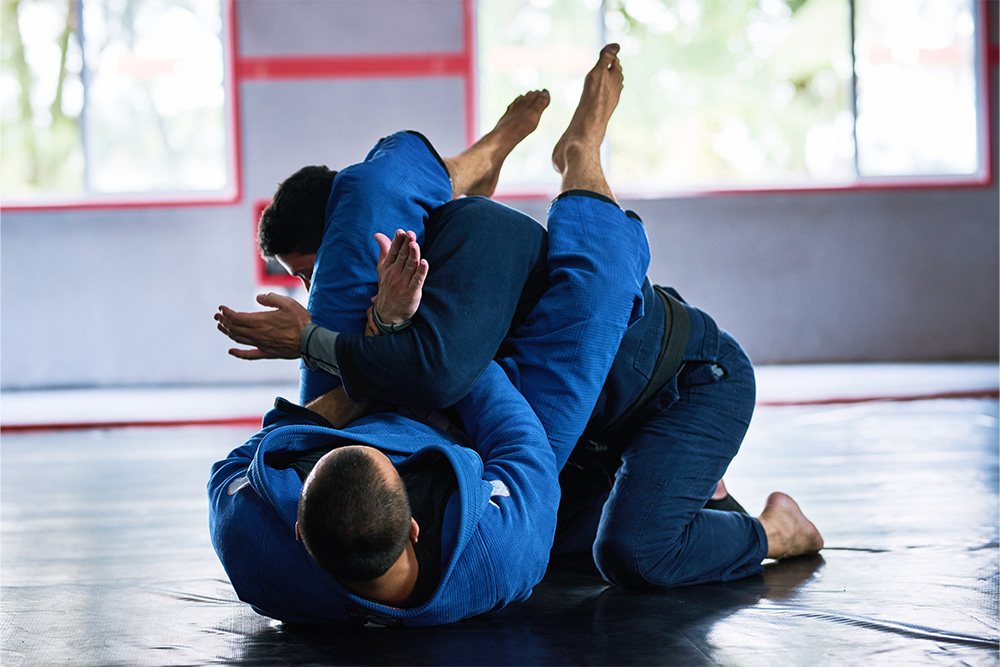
396 247
273 333
232 318
237 335
402 252
420 274
249 355
225 323
384 244
413 256
272 300
236 325
408 253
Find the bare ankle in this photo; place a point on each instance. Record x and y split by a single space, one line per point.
476 170
581 169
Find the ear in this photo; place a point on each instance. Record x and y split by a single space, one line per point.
298 535
414 530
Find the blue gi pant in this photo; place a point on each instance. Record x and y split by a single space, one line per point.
650 529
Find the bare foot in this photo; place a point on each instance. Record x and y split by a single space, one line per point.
789 532
601 89
477 170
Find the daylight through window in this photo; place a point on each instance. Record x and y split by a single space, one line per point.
743 94
114 98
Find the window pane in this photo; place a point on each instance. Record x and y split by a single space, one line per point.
916 87
155 96
40 98
140 107
726 93
730 94
530 44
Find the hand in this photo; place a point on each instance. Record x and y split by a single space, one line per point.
273 334
401 274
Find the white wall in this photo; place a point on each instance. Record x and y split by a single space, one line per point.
124 297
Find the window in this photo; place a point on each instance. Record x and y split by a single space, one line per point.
115 100
743 94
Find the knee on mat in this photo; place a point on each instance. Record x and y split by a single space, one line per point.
618 562
628 565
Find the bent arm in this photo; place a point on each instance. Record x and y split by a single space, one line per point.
237 463
485 262
520 466
397 185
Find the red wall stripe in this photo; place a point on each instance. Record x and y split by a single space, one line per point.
351 66
960 394
255 421
250 422
380 65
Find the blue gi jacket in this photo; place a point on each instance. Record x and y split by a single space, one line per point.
500 523
503 513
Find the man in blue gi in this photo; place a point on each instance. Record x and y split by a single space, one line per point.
670 418
322 516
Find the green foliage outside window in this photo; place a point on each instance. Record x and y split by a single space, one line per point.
729 92
39 117
105 97
732 94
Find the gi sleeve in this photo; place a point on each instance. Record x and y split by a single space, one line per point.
486 261
519 465
401 180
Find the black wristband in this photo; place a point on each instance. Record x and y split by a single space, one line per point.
390 328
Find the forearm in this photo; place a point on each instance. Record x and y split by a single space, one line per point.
338 408
518 463
318 346
432 365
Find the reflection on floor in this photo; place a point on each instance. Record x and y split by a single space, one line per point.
105 557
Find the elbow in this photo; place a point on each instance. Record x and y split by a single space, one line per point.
445 390
442 379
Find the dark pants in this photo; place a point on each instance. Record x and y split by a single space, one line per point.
650 528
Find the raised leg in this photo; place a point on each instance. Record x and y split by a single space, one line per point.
577 154
475 171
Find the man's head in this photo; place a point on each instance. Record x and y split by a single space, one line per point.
354 514
293 222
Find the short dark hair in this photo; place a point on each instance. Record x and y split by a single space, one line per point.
353 521
294 220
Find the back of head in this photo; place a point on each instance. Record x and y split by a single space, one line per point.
354 520
294 220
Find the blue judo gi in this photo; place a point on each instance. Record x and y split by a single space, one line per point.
634 490
499 524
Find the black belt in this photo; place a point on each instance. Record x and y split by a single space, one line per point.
676 331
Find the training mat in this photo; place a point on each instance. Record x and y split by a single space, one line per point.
105 559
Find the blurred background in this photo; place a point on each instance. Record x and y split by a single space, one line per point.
819 175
